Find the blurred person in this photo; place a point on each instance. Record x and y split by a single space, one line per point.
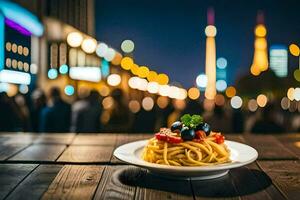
56 116
120 117
39 101
267 123
23 112
86 114
8 116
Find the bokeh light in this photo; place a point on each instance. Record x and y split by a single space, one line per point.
164 90
162 79
108 103
193 93
23 89
201 80
252 105
221 85
297 74
290 93
104 91
101 49
221 63
152 76
147 103
143 72
210 31
219 100
127 46
260 30
63 69
135 69
110 54
114 79
134 106
208 104
230 91
89 45
294 50
52 73
262 100
74 39
126 63
297 94
162 102
285 103
236 102
153 87
69 90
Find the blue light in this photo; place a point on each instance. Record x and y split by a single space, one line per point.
69 90
52 74
221 85
104 68
22 17
63 69
221 63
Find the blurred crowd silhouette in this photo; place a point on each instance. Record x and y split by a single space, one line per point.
39 112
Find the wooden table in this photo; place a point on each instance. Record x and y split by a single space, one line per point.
81 166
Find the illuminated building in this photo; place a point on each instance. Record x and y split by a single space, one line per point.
210 59
17 28
279 60
260 59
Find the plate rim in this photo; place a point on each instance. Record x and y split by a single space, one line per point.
154 166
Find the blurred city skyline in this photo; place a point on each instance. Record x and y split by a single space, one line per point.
162 30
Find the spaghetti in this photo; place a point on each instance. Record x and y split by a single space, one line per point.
197 152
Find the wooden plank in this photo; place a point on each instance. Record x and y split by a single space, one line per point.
55 138
291 142
220 188
95 139
75 182
258 184
127 138
87 154
7 150
268 147
113 185
151 186
34 186
40 152
285 175
11 175
17 138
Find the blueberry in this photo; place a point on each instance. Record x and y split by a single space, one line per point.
187 134
204 127
176 126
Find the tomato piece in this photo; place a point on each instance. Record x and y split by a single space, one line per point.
200 134
161 136
174 140
198 140
219 139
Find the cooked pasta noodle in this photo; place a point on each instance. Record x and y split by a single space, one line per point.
187 153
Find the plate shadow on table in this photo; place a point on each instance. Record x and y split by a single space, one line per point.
238 182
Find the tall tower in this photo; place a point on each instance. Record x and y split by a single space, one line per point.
210 59
260 58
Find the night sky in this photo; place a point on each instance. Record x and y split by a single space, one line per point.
169 35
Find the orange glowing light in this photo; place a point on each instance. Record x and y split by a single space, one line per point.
260 30
126 63
294 50
152 76
193 93
135 69
143 72
162 79
219 100
262 100
117 59
230 92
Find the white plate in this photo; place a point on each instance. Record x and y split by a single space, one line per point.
240 154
